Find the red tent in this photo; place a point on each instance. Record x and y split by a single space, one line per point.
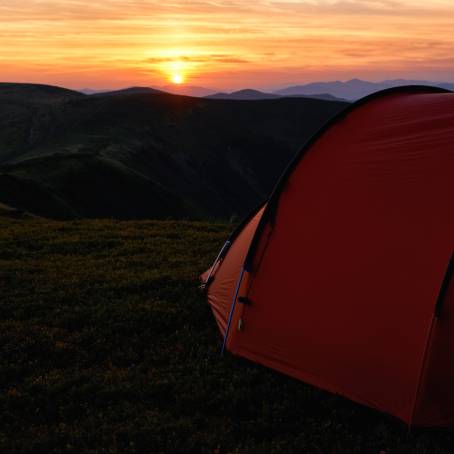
343 278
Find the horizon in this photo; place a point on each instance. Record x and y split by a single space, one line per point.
265 90
224 46
183 87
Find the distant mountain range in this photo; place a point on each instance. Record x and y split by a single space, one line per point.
128 91
355 88
199 92
350 90
244 95
255 95
184 90
141 153
187 90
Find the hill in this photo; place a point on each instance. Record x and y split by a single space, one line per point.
147 155
255 95
332 90
243 95
107 345
126 91
325 96
29 93
187 90
355 88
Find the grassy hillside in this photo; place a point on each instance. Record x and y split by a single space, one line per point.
106 345
146 155
28 115
35 93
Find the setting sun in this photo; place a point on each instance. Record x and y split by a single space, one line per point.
177 79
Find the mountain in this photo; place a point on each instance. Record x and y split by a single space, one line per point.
246 94
147 155
250 94
331 91
127 91
27 114
92 91
187 90
355 88
30 93
325 96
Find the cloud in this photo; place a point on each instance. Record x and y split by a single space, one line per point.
258 39
205 58
121 10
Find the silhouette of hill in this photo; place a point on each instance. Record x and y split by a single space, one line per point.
250 94
354 88
187 90
332 91
246 94
35 93
325 96
147 155
93 91
184 90
127 91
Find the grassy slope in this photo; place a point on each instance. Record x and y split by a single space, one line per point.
106 345
147 155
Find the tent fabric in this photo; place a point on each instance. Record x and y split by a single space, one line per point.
222 289
348 258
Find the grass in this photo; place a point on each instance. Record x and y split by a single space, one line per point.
106 345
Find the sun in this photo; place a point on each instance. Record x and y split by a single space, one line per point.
177 78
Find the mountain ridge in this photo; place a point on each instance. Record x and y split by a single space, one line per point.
148 155
350 90
244 95
354 89
249 94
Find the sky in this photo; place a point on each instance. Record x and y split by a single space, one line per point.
224 44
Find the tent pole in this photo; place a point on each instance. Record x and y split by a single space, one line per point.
232 309
220 256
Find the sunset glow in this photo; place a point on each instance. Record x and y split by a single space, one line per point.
224 44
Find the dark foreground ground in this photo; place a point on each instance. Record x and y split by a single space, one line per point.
106 345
